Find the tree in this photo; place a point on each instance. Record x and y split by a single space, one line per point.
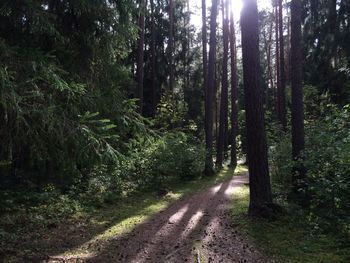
234 91
281 96
278 78
140 54
298 143
204 44
259 180
171 45
209 166
326 40
224 89
153 63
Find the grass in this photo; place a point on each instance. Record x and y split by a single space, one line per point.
287 239
99 225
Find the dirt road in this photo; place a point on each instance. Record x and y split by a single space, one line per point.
197 228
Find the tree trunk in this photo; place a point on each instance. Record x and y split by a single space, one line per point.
278 82
171 45
298 143
259 180
281 90
140 54
153 64
209 166
234 91
204 44
189 41
224 90
288 52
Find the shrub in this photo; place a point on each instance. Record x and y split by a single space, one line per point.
328 166
175 155
327 161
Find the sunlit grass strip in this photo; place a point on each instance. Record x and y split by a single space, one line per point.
288 238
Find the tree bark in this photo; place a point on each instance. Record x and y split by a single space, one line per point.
234 91
224 90
204 48
288 52
188 45
259 180
140 54
209 166
171 45
281 90
153 63
298 141
278 82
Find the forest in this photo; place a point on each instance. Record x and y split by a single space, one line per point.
175 131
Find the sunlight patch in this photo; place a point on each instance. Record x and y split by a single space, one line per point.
86 250
192 223
175 218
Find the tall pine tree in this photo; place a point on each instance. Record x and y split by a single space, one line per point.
259 180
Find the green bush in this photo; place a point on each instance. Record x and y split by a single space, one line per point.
328 169
327 161
281 167
176 155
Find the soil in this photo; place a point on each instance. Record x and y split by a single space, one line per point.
197 228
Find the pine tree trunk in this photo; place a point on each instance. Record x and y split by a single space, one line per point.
269 67
153 63
298 142
188 45
281 93
171 45
288 53
259 180
234 91
278 82
140 54
209 166
224 90
204 44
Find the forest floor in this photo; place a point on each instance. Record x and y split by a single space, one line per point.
192 223
194 229
200 221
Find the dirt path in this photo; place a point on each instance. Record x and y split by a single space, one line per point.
195 229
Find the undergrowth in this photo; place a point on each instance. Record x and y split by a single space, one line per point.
288 239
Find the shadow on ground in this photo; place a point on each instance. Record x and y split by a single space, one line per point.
196 226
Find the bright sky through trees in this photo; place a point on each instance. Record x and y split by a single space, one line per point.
236 6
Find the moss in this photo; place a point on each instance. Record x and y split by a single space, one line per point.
288 238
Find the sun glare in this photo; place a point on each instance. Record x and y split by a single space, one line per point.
235 5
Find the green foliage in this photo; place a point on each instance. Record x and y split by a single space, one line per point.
63 109
281 166
328 166
326 43
176 155
301 244
327 161
170 112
